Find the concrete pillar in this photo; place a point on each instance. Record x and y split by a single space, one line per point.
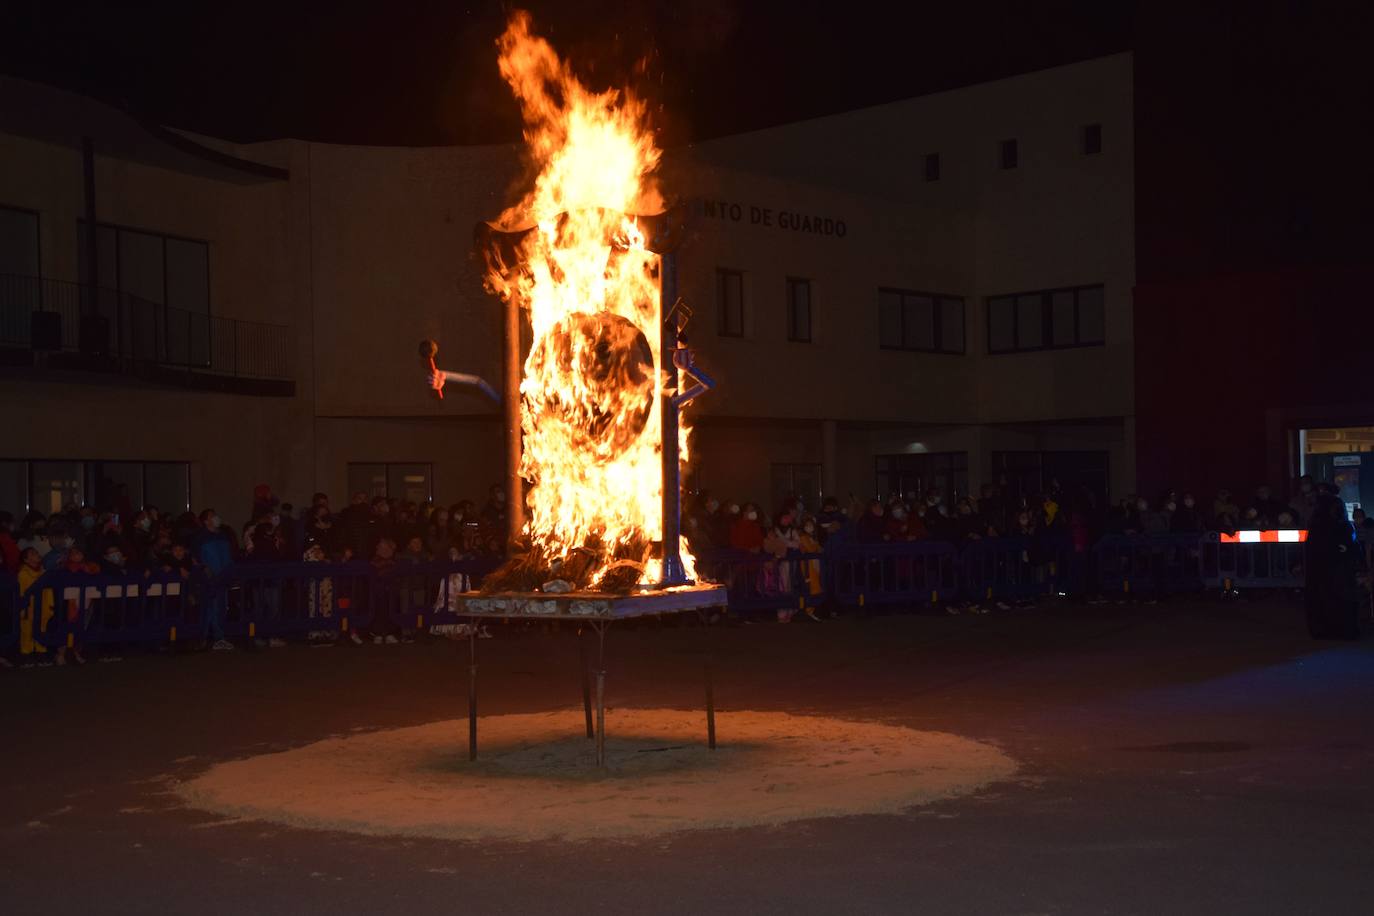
829 450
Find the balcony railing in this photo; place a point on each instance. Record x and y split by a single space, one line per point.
106 324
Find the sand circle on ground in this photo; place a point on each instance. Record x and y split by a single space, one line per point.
536 777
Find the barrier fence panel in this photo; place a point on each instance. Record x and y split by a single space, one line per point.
1013 567
914 572
290 599
420 596
81 608
762 582
1251 565
1152 564
281 599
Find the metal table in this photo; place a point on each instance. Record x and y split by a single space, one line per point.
590 610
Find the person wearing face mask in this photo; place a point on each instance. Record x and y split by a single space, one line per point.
140 539
62 542
783 543
1186 519
213 552
1151 522
114 563
746 533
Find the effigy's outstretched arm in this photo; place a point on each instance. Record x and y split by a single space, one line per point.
437 378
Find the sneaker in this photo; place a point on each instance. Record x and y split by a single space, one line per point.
354 638
391 640
1003 606
484 633
376 640
811 612
222 645
276 643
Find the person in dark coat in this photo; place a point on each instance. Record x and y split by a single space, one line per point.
1331 561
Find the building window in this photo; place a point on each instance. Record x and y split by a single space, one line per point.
109 486
798 310
154 289
730 296
20 267
797 480
1092 139
926 322
1046 320
1007 154
408 482
932 166
913 476
1074 474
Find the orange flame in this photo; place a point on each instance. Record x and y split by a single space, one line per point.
592 387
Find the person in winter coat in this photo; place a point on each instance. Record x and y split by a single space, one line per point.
1331 561
746 533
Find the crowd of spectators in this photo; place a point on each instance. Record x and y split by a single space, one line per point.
121 540
713 524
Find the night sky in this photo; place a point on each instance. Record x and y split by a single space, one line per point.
425 72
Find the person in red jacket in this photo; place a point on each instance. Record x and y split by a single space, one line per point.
747 531
9 547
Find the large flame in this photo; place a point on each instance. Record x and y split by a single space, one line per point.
591 390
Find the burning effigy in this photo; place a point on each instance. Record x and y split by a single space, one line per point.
582 254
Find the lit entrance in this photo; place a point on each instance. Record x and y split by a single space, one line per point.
1342 456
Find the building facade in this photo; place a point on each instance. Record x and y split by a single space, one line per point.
930 294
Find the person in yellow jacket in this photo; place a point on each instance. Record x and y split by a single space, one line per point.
30 571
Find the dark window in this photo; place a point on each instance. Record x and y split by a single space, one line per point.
911 476
20 288
926 322
1008 154
412 481
730 296
1046 320
797 480
19 242
1075 474
932 166
109 486
798 310
155 291
1092 139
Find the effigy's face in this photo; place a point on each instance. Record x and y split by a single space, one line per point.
607 390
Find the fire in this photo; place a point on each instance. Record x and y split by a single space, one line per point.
592 386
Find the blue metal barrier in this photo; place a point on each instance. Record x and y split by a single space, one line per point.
99 608
286 599
1014 567
1252 565
418 595
912 572
1153 564
762 582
